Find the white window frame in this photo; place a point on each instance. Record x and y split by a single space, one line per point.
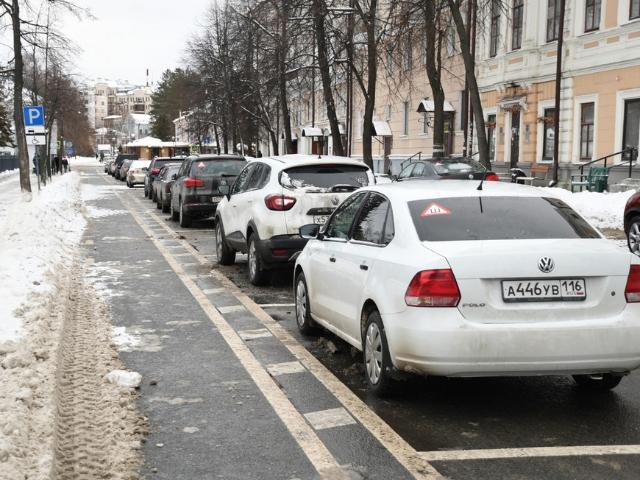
507 136
579 20
623 13
496 131
621 97
577 130
542 106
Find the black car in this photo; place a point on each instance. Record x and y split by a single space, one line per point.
195 194
162 185
154 169
120 159
446 168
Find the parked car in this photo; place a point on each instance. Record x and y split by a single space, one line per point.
443 279
162 185
137 172
272 198
448 168
154 169
119 160
196 191
632 223
107 165
121 173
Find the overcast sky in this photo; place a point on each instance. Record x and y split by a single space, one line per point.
129 36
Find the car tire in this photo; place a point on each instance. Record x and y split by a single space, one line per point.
598 382
306 325
165 207
258 275
224 254
159 204
174 215
633 235
375 354
183 220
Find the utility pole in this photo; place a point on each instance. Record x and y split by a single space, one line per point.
556 113
350 28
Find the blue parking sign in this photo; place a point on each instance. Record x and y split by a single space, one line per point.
33 116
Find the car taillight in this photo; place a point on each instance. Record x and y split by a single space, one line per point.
492 177
155 171
193 182
632 290
433 288
279 202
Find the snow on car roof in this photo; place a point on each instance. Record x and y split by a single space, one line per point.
300 159
421 189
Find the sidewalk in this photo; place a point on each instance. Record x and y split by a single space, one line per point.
227 391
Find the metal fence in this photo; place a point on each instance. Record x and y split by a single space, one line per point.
8 162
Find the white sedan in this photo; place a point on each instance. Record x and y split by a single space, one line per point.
440 278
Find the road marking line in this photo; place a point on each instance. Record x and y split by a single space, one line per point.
499 453
212 291
231 309
334 417
285 368
397 446
253 334
317 453
274 305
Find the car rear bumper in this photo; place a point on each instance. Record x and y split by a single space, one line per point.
279 250
442 342
136 179
200 209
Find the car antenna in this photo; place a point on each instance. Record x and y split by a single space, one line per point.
486 171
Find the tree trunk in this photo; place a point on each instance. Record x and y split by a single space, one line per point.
433 57
474 92
319 14
282 76
23 154
370 94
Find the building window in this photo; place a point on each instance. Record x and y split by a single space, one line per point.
516 32
495 28
548 133
586 130
451 42
634 9
425 122
405 118
407 54
491 136
553 20
592 15
424 49
387 113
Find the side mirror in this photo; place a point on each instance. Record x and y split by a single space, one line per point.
309 231
174 176
224 189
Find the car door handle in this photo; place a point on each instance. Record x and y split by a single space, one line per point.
364 267
332 259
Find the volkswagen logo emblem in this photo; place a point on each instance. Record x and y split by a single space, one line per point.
546 265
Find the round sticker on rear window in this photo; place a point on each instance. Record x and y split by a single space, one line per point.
435 210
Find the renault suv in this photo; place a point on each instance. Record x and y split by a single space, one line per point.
272 198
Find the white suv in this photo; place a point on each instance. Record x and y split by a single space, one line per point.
272 198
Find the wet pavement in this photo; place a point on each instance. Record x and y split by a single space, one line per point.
520 428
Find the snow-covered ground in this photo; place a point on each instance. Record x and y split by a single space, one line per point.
37 239
604 210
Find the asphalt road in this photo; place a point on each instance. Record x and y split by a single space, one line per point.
508 428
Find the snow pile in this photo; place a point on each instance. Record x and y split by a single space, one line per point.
604 210
37 240
8 173
125 341
124 378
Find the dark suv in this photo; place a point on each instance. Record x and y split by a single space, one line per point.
632 223
195 193
446 168
153 171
120 160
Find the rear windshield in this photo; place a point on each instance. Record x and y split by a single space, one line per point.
161 163
452 166
172 170
227 166
325 177
496 218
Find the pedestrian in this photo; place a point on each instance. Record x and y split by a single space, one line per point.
65 164
56 164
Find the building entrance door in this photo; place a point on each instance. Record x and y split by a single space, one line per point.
631 129
515 138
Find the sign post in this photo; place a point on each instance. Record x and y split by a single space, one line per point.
34 129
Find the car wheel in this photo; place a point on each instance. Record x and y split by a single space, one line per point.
159 203
598 382
306 325
174 215
154 197
224 254
377 360
633 237
184 220
165 207
258 275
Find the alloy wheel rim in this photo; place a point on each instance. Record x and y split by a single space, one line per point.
301 303
634 238
373 353
252 259
218 241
